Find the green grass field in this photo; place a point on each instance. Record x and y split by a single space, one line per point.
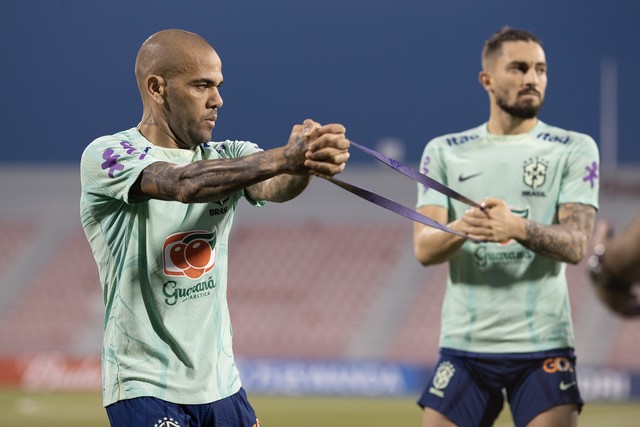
19 409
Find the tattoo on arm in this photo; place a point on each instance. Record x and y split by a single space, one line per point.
157 181
285 187
279 188
566 241
210 180
216 179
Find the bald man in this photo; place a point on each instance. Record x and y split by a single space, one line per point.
157 205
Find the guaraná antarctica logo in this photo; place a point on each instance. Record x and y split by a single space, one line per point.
191 254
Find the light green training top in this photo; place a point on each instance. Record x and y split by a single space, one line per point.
504 298
163 270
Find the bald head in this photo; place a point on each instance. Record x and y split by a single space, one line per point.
169 52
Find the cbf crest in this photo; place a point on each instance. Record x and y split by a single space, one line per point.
535 172
441 379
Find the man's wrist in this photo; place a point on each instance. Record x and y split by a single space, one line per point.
521 229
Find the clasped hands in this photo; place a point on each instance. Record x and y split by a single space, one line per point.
321 150
493 223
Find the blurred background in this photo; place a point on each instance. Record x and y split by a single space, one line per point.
326 297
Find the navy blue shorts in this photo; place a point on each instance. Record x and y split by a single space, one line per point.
233 411
470 388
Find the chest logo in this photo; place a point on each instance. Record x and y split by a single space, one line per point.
535 172
463 178
190 254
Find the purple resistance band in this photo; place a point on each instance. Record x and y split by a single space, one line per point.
397 207
417 175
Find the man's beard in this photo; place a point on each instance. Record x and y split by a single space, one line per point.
521 111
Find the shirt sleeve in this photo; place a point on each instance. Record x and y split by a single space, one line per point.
235 149
110 166
432 165
581 180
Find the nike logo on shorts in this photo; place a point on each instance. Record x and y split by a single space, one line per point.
463 178
566 386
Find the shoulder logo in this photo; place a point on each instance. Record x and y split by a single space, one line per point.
425 170
463 178
546 136
190 254
592 174
111 158
566 386
458 140
441 379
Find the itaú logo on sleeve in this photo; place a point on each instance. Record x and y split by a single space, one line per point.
191 254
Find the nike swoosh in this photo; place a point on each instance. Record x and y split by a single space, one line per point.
462 178
566 386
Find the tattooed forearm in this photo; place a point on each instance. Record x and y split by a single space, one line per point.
280 188
566 241
211 180
153 182
285 187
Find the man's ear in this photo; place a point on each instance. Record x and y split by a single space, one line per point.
485 80
155 86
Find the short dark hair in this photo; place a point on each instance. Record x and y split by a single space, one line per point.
506 34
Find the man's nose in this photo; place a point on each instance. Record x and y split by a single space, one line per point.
531 77
215 101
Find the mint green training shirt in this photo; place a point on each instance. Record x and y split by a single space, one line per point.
505 298
163 270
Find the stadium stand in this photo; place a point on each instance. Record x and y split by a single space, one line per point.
308 284
308 281
417 340
54 305
15 236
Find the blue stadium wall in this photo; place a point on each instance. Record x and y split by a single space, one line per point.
387 69
55 372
